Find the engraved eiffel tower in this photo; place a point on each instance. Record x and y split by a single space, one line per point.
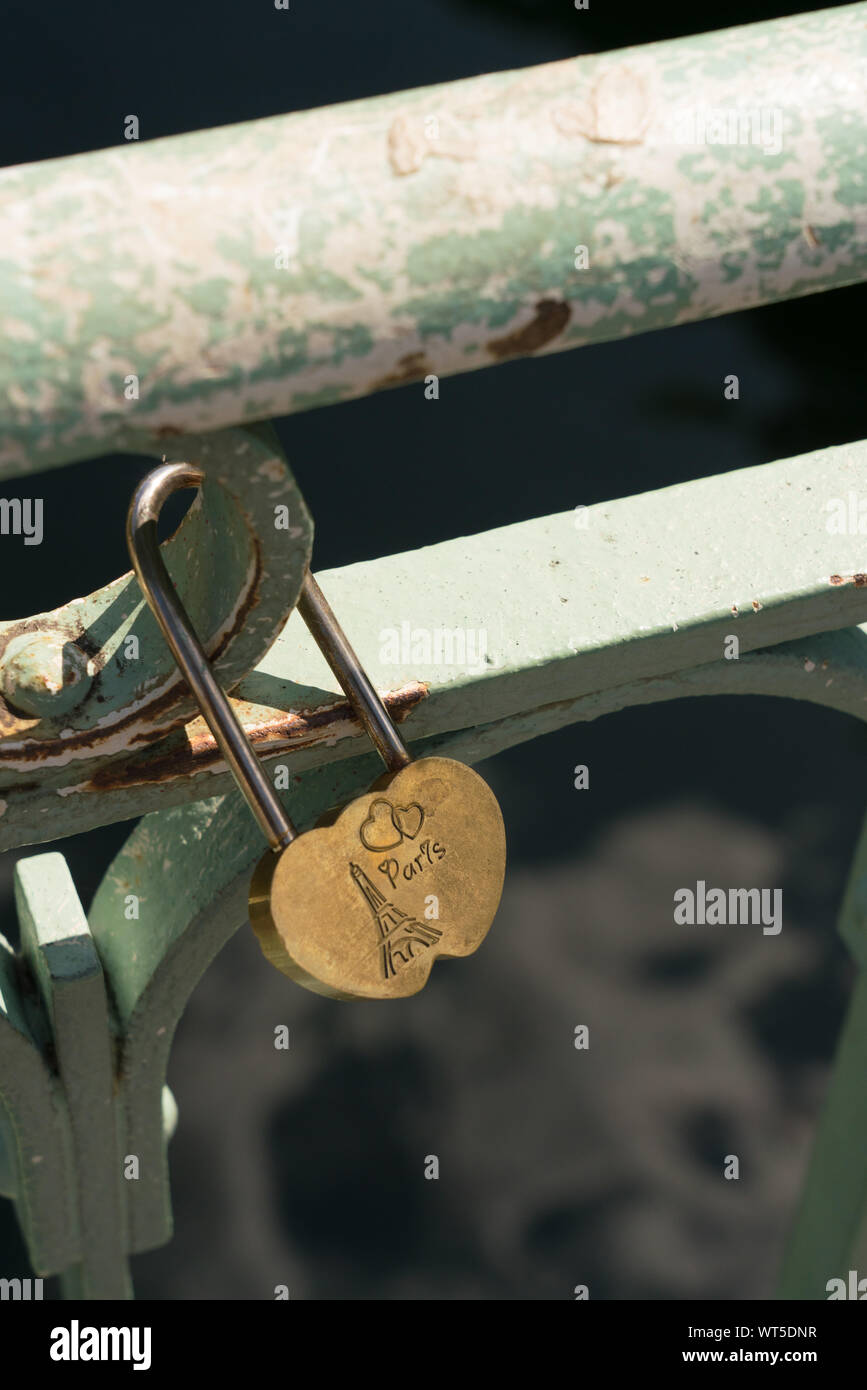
400 933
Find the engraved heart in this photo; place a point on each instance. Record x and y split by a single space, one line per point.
408 819
354 919
381 831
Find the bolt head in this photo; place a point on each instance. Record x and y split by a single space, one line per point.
43 674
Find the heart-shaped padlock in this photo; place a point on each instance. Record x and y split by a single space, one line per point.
362 905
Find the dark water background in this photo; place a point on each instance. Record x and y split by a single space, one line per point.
556 1167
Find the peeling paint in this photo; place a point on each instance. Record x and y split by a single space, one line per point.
168 263
238 605
616 111
283 734
409 145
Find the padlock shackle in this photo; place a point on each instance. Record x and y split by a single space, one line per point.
334 646
216 709
157 587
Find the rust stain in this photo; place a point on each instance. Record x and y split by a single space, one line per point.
412 367
41 748
195 750
859 580
14 724
552 316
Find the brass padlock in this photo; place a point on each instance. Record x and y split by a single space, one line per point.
362 905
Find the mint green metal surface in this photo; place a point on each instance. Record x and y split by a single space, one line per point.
253 270
829 1237
62 1147
853 914
648 588
58 947
36 1163
239 574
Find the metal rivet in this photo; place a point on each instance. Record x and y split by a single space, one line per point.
44 674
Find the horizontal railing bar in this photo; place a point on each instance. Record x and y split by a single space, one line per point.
255 270
515 620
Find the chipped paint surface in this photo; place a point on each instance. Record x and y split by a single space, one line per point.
239 576
617 109
421 228
271 732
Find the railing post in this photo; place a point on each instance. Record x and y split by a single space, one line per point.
829 1237
59 950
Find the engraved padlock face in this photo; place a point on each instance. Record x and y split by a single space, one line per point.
361 907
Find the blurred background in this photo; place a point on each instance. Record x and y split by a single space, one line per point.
557 1167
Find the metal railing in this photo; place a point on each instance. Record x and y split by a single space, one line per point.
252 271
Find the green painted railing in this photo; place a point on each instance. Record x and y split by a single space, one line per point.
259 269
247 272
